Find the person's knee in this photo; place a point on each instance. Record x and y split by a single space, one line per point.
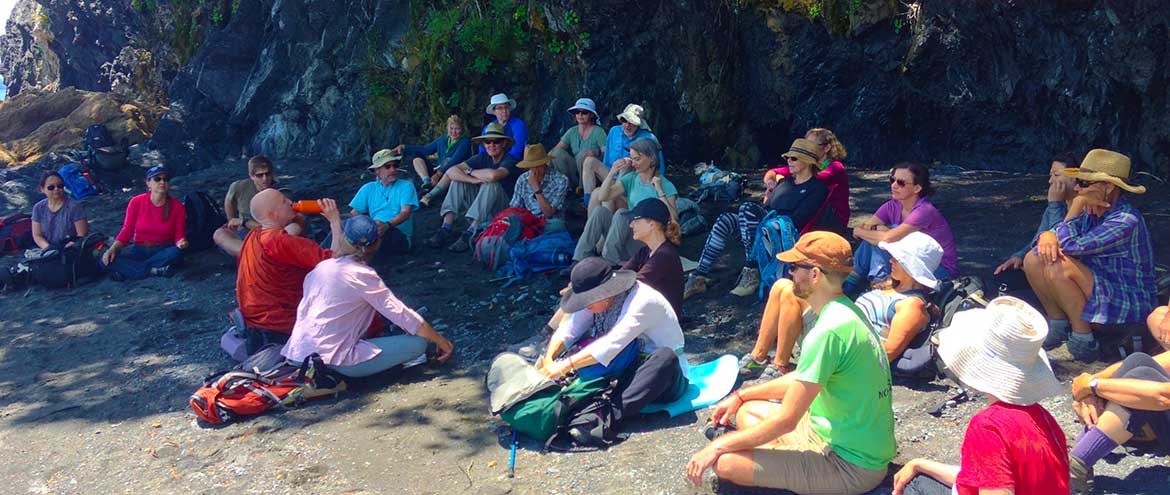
1032 263
736 467
221 236
781 291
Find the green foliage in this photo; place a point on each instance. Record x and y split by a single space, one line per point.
814 11
143 6
571 19
898 25
43 21
556 46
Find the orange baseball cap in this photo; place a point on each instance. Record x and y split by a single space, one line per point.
826 250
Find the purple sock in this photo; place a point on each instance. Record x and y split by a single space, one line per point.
1092 446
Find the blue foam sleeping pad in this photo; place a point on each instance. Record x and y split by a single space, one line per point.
710 382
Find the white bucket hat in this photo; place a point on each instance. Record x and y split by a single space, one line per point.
919 254
498 99
997 350
634 114
587 105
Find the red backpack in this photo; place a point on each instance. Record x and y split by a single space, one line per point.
16 233
507 228
243 392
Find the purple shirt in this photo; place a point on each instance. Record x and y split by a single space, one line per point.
58 226
340 298
930 221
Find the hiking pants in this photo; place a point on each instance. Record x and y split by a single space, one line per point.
1140 366
613 231
748 221
396 350
135 262
478 202
569 165
659 379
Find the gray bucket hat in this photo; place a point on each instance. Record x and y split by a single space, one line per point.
593 280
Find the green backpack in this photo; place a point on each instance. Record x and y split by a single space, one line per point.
544 412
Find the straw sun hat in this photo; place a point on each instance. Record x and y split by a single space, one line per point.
996 350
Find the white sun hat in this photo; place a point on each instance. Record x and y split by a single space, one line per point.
499 99
919 254
997 350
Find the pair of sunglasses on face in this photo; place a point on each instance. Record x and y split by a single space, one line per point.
54 187
160 178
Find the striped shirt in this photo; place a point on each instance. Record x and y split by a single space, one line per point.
1118 250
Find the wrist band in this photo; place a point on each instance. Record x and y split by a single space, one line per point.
740 397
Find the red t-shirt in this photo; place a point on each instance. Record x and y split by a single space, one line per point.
271 275
144 222
1017 447
837 180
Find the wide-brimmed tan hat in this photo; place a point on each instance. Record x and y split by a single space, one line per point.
534 156
383 157
498 99
593 280
634 114
1105 166
826 250
494 131
805 151
997 350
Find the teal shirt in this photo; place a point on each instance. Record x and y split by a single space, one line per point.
636 191
383 203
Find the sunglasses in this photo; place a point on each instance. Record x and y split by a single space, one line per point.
54 187
160 178
802 266
492 141
582 112
1084 184
899 182
390 165
262 174
792 159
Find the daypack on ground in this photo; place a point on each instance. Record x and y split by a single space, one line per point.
507 228
775 234
78 181
204 216
66 267
102 150
16 233
262 382
541 254
717 185
952 296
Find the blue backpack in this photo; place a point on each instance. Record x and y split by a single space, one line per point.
77 181
541 254
775 234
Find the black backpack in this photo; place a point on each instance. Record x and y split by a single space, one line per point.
920 359
97 136
204 216
591 423
65 267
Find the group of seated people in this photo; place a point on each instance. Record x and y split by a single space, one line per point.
823 426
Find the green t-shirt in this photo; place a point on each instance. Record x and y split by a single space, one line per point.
241 193
595 141
853 413
636 191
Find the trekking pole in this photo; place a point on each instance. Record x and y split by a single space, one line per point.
512 458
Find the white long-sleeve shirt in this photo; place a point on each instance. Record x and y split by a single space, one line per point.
646 314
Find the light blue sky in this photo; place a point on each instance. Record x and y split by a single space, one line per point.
5 9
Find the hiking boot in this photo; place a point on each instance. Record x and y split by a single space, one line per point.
772 371
1080 476
462 244
1085 352
1057 334
696 284
748 366
441 238
749 282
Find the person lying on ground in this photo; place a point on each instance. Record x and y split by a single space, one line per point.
1014 445
584 142
57 220
449 149
632 126
272 267
390 202
480 188
236 207
907 211
1060 194
800 198
829 170
1127 399
502 107
833 429
615 323
897 309
1097 266
541 189
607 232
342 296
156 222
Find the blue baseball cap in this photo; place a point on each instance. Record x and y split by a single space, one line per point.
157 170
361 230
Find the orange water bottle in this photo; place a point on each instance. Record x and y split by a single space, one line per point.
307 206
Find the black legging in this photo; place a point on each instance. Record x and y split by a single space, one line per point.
658 379
1141 366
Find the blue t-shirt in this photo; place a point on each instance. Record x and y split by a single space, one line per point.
617 145
515 129
383 203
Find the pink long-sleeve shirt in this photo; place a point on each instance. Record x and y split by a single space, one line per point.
144 222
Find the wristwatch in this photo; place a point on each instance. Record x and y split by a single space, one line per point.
1093 386
538 191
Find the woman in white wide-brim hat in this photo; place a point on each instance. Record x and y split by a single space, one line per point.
1014 443
581 144
502 107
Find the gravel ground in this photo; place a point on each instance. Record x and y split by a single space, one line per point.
95 379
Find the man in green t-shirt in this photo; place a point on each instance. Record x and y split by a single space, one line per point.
833 431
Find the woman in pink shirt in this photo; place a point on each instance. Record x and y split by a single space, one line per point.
155 230
342 295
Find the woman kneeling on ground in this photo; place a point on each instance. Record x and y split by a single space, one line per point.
57 220
897 309
342 295
607 232
907 211
1014 445
1128 399
799 198
157 223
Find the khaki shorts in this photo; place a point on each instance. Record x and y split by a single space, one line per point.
803 463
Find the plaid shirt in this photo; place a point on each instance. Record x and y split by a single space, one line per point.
554 187
1118 250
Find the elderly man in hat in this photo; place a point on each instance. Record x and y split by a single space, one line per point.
390 202
613 322
1097 266
540 189
502 107
480 188
581 144
833 431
